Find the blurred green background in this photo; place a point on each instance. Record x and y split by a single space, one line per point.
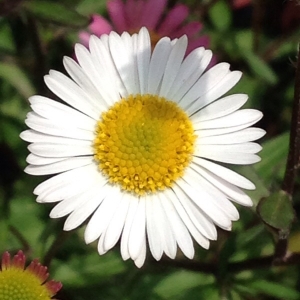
258 37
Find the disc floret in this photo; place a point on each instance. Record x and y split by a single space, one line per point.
144 143
20 283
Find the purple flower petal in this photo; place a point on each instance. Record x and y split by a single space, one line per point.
133 13
100 25
173 19
84 38
202 41
190 29
116 10
152 13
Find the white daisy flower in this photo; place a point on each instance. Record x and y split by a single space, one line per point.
134 148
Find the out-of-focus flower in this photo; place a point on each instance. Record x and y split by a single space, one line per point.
136 143
132 15
20 283
236 4
290 16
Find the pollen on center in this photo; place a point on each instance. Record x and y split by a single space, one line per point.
144 143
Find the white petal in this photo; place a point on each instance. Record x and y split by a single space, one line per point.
237 118
206 203
233 155
66 184
127 227
166 234
59 150
197 177
68 205
65 191
103 73
123 56
60 113
61 166
40 160
143 58
224 130
220 108
241 136
249 147
79 76
139 261
225 173
48 127
96 72
33 136
100 246
228 82
233 192
153 230
158 64
173 65
116 224
71 93
108 61
187 69
186 77
108 82
103 215
181 234
201 221
237 158
189 214
137 231
206 82
92 200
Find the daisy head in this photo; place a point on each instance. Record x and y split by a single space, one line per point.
18 282
135 148
132 15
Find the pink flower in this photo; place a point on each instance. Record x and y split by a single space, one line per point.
20 282
240 3
131 15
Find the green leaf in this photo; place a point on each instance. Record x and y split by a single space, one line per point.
10 129
234 296
81 270
220 15
244 289
261 189
3 234
17 78
88 7
6 40
184 280
244 39
259 67
273 158
30 230
275 290
56 13
248 236
277 211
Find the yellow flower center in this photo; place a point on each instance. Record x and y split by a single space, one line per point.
144 143
19 284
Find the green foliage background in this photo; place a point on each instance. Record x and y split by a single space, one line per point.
261 40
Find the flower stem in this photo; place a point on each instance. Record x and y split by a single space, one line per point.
60 239
293 165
